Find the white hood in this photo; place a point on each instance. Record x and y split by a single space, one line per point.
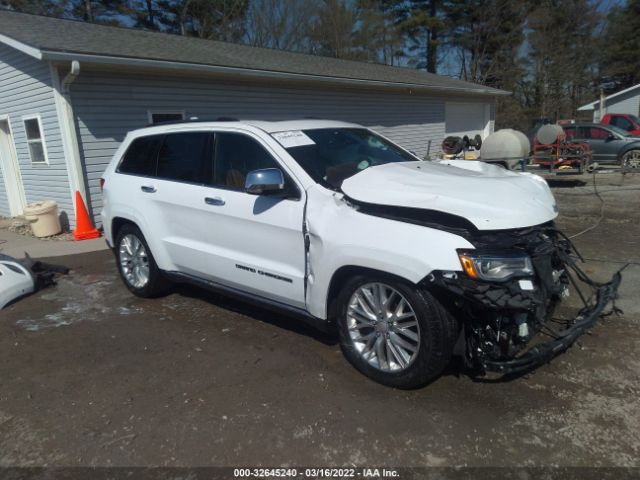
490 197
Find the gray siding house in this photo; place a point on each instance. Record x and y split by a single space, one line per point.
70 91
624 101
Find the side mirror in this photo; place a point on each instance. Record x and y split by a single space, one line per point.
611 136
266 180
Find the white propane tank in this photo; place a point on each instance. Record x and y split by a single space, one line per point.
505 144
548 134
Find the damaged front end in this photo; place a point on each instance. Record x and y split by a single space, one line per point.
508 293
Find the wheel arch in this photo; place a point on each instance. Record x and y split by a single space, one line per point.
117 223
342 275
627 150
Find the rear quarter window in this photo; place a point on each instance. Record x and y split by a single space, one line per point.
141 156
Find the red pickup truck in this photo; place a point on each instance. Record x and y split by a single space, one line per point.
625 121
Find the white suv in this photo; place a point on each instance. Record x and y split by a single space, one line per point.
410 261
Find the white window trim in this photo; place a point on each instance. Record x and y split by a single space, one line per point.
37 117
151 113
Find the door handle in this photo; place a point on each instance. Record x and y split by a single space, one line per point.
148 188
214 201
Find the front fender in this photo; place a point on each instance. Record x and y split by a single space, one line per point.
627 149
341 236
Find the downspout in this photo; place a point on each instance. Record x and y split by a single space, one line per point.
66 121
70 77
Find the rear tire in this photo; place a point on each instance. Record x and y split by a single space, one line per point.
415 339
137 267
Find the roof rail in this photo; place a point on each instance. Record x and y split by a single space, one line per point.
193 120
171 122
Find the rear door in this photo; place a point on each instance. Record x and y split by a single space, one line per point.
256 241
178 216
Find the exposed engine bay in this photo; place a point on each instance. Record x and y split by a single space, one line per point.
501 318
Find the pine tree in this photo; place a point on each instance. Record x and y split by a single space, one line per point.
562 66
422 24
37 7
620 59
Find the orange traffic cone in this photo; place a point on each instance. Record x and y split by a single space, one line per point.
84 228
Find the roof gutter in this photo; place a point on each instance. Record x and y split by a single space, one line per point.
255 73
22 47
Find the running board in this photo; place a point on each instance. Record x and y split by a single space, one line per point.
251 298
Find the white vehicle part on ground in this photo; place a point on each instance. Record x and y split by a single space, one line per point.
341 236
490 197
15 280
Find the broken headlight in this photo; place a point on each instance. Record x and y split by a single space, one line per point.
495 267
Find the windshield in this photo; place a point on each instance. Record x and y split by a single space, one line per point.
619 131
331 155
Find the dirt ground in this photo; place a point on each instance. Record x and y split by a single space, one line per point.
90 375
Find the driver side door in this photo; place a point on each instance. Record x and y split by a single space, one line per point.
604 144
257 244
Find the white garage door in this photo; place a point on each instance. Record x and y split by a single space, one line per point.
467 119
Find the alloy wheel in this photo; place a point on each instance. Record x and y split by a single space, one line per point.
631 160
134 261
383 327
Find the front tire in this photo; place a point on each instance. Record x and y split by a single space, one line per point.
630 160
393 332
137 267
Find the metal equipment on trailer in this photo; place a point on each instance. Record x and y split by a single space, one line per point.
554 151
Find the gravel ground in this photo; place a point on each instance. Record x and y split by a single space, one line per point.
92 376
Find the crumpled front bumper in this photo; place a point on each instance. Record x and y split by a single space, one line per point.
503 321
542 353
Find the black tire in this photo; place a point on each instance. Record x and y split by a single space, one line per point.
630 160
438 332
157 284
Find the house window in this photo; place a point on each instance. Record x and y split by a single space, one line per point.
35 139
164 116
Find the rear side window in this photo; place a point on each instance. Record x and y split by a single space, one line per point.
140 157
183 157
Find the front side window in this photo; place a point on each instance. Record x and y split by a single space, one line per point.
236 155
35 140
331 155
140 158
598 133
616 130
183 157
